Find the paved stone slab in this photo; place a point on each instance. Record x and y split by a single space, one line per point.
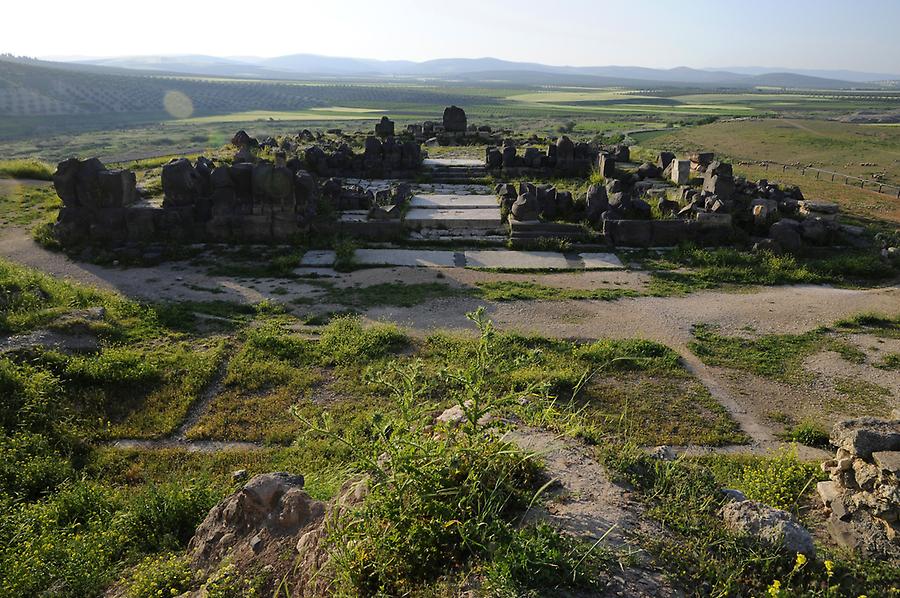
453 201
318 258
477 218
600 261
530 260
405 257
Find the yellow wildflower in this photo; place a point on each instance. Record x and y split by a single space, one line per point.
775 589
801 560
829 568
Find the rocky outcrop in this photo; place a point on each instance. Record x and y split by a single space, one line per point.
863 493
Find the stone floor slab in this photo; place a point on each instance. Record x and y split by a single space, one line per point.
600 261
438 162
318 258
405 257
526 260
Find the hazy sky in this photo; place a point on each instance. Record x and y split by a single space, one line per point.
853 34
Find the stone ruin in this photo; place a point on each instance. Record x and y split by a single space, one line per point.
454 129
863 495
563 158
696 199
664 203
204 201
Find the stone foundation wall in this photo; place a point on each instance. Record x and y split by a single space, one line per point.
246 202
388 159
563 158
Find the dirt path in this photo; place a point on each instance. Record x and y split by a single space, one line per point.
583 501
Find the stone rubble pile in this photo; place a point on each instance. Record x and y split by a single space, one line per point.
863 494
697 199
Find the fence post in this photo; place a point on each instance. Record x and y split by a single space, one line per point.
832 177
817 174
784 168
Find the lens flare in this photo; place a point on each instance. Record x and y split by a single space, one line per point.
178 104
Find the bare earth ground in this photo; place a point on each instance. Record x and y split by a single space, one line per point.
765 310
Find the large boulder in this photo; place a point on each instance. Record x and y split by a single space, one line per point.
267 514
455 120
768 525
786 233
493 158
88 184
606 164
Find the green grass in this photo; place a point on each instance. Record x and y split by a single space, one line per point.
26 169
775 356
502 291
861 396
27 205
690 269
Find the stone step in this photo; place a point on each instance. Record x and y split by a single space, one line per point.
441 201
474 218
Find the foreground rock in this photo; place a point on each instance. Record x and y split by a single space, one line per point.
268 518
768 525
863 494
257 521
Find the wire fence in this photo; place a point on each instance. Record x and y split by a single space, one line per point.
827 175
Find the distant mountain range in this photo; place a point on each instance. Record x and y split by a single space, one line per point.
489 69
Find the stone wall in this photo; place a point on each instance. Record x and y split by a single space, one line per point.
563 158
390 158
863 493
204 201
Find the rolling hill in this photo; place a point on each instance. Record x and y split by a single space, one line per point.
473 69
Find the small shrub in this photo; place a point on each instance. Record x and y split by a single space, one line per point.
344 253
808 433
44 236
165 576
344 340
779 481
